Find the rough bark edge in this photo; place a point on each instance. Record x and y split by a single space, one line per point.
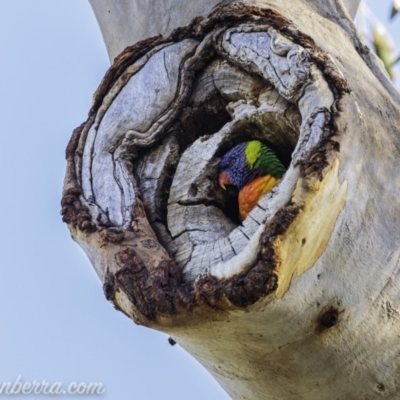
359 42
163 292
73 212
226 16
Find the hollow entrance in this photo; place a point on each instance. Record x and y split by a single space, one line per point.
193 217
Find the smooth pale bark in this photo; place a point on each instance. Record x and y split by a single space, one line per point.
302 300
125 22
352 6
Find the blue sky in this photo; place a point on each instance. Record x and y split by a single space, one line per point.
56 323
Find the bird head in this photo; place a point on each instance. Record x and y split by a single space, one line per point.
233 168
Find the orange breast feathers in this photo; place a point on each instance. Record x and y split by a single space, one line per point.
251 193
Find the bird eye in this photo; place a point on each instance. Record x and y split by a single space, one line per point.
232 162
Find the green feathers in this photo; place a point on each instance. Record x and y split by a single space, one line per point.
261 158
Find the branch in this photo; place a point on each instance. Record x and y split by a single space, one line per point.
352 6
125 22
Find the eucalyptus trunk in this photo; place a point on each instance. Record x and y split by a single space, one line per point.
301 299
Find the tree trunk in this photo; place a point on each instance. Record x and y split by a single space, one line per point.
301 300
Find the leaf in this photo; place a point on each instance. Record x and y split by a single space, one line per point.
395 8
383 47
396 61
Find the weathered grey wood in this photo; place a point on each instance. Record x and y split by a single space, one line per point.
201 259
116 17
153 174
131 114
257 214
300 301
225 249
185 250
287 68
263 52
191 186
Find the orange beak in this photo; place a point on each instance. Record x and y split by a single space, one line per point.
223 179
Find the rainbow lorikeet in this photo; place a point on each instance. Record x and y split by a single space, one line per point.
254 169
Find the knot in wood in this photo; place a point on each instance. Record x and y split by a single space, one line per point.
142 171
